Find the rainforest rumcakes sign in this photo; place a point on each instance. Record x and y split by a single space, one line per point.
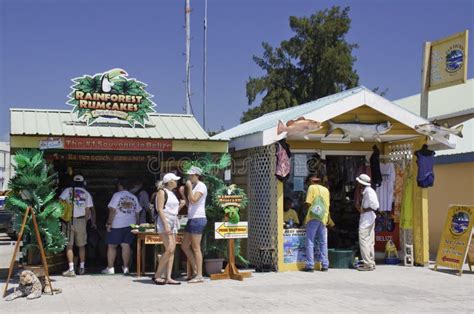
111 95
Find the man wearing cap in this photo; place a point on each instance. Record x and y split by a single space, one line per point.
317 201
81 201
367 209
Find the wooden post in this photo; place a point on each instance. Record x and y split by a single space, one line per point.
425 79
43 256
231 271
40 244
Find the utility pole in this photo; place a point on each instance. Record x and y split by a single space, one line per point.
188 56
204 74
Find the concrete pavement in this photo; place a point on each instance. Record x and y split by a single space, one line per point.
388 289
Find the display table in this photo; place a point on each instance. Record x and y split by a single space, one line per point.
149 238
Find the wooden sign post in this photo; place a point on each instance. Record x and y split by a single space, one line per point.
29 211
456 244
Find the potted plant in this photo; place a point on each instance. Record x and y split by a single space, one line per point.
34 185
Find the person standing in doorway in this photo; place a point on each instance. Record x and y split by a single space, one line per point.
143 199
167 225
367 209
81 201
124 210
196 195
317 201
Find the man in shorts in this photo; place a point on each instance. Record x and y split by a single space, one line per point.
124 210
76 231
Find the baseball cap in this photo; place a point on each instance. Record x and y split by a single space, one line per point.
78 178
195 170
170 176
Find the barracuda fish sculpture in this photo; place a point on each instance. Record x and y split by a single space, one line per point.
298 127
434 130
360 130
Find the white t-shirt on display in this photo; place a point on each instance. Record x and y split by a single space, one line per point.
126 205
198 209
82 200
385 190
369 200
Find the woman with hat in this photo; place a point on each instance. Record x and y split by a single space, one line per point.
196 194
167 224
369 206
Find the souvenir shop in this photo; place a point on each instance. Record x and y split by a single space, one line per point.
337 138
110 150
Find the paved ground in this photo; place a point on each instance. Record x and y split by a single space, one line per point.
388 289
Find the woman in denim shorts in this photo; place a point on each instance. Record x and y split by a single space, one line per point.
167 225
196 194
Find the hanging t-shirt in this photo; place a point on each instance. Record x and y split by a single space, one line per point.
385 190
425 177
82 200
406 219
198 209
127 206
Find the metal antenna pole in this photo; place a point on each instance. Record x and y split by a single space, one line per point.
188 56
204 102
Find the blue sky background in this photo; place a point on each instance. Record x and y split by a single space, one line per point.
45 43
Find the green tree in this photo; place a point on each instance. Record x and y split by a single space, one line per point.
317 61
34 186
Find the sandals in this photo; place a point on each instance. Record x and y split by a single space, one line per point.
172 282
196 280
159 283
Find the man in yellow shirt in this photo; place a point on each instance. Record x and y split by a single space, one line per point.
289 213
317 201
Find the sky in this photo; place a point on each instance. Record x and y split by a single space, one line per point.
46 43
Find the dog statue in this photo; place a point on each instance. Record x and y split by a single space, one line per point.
30 287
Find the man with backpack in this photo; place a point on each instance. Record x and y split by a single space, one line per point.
367 210
81 202
317 201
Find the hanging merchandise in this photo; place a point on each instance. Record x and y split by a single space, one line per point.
376 178
425 162
406 215
398 191
283 155
385 191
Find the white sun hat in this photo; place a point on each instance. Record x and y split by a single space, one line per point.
363 179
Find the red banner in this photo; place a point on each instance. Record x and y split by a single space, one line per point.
120 144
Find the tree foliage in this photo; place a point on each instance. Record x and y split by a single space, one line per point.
317 61
34 186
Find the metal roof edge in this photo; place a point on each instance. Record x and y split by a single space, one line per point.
70 111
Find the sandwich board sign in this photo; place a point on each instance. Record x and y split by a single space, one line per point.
226 230
456 241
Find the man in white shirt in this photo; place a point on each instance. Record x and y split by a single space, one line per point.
367 209
81 201
124 210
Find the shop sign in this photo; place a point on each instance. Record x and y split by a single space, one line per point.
230 200
111 95
456 238
156 239
225 230
294 246
117 144
449 61
52 143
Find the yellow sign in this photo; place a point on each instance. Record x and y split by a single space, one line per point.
449 61
456 238
225 230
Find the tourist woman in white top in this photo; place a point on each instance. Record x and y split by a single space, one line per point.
167 225
196 192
